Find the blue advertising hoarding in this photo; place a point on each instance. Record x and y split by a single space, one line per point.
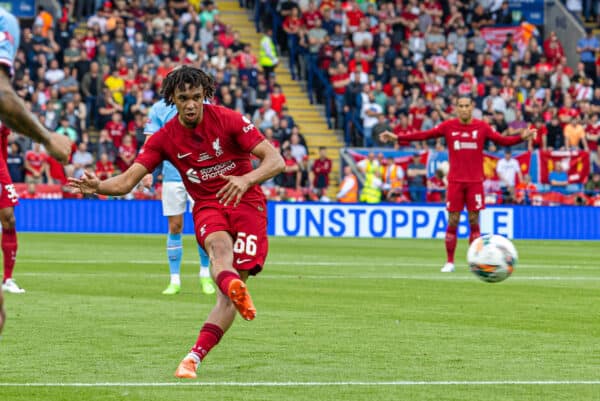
531 10
317 219
19 8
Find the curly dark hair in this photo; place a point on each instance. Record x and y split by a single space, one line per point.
184 75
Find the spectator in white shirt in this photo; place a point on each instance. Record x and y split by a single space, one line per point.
508 170
370 116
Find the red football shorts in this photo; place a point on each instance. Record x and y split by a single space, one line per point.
247 224
8 194
461 194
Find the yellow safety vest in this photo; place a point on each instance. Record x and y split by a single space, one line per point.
395 182
370 193
263 58
370 167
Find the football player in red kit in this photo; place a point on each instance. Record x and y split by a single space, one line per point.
211 147
465 139
13 112
8 200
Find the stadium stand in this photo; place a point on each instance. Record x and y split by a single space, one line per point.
346 71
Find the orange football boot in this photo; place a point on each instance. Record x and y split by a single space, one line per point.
238 293
187 368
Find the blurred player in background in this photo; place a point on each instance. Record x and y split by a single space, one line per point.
15 116
8 200
174 205
465 139
210 146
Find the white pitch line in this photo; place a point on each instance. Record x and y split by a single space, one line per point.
316 384
383 276
279 263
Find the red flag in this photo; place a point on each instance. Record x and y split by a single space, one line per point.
490 161
576 163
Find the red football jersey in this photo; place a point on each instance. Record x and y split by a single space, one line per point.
116 132
465 144
4 133
36 160
321 169
219 145
4 173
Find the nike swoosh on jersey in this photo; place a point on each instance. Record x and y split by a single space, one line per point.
180 156
241 261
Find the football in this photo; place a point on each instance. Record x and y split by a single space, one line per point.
492 258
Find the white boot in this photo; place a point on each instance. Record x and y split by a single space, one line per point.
448 268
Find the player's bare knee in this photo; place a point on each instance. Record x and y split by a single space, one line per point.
7 219
9 223
175 227
473 218
219 248
453 219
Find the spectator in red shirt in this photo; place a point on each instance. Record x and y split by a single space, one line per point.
592 135
36 165
553 49
269 136
436 187
145 189
353 17
277 99
321 169
310 15
539 140
104 167
127 153
116 129
290 178
340 78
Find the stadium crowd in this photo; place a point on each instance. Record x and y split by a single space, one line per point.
93 73
92 69
401 65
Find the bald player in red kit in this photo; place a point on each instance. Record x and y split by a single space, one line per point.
211 147
465 139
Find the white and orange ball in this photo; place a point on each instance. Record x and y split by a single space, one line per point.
492 258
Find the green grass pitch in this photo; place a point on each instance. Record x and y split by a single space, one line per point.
338 319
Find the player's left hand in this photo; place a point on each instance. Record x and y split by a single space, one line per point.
87 184
529 134
233 191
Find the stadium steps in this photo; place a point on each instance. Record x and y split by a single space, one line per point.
592 25
310 118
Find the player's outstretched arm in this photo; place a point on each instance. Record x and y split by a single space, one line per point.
14 114
528 134
271 164
435 132
501 140
387 136
118 185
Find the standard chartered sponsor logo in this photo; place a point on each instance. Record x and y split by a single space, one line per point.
216 170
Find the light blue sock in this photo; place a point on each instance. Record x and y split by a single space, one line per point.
174 252
204 263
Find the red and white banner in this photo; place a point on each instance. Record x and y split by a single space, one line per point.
576 163
490 161
496 36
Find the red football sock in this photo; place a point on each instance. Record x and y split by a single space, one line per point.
224 278
209 336
450 243
9 250
474 233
